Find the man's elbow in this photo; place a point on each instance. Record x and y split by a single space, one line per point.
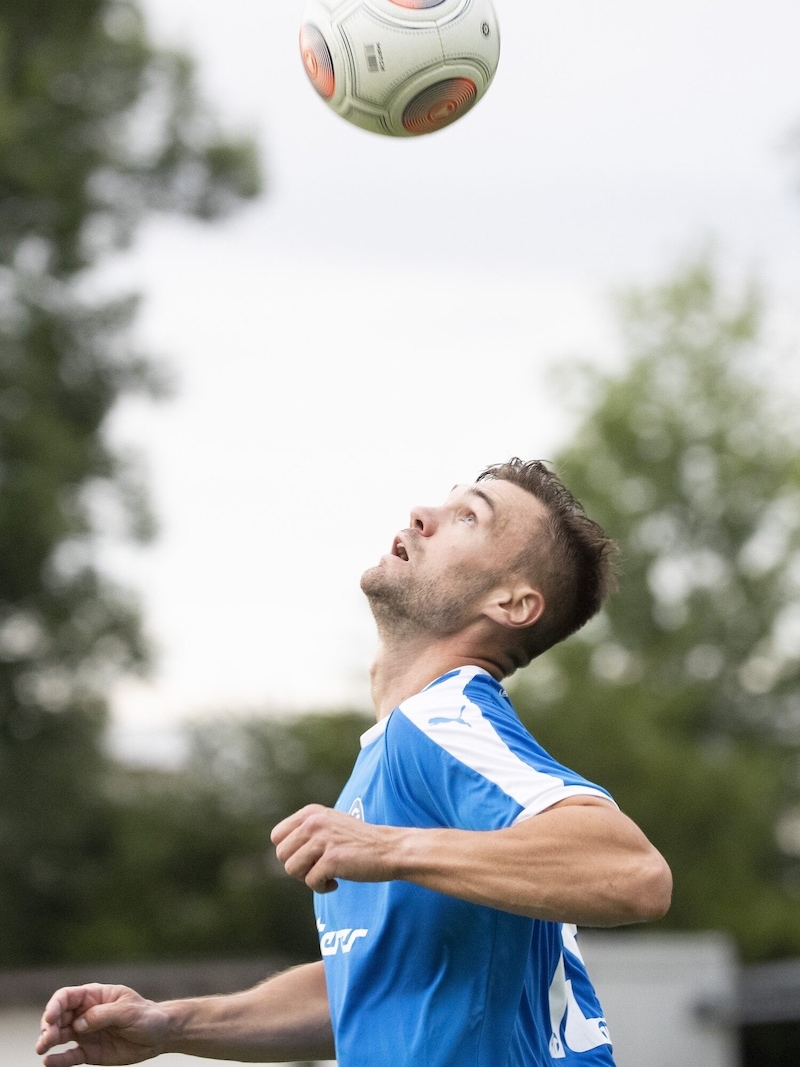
653 888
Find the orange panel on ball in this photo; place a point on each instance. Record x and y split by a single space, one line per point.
417 4
439 105
317 60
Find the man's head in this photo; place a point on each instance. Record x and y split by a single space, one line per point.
513 554
568 556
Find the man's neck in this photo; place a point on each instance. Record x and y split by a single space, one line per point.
400 670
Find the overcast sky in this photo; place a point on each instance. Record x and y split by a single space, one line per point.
379 325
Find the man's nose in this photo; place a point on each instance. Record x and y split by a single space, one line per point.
424 520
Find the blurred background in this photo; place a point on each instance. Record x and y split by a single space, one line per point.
240 338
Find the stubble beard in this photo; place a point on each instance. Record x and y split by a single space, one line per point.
410 607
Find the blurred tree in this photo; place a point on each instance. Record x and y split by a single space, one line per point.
683 698
98 128
192 871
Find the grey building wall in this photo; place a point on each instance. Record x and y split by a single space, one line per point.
652 986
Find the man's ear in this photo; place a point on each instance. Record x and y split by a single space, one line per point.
515 608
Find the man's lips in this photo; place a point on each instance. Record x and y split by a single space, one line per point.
399 549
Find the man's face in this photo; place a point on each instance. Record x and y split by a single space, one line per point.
441 568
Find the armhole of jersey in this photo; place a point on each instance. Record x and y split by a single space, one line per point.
564 792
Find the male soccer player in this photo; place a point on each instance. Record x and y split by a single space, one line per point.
460 857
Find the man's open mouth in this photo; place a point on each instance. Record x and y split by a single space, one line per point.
398 549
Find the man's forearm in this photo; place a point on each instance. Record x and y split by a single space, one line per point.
285 1018
581 861
583 864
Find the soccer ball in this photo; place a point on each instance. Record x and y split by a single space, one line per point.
400 67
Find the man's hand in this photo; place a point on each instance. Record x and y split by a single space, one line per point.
111 1024
317 845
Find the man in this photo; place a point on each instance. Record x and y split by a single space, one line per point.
461 856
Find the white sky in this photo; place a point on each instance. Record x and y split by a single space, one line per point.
378 326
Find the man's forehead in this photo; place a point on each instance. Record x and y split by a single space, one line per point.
476 491
503 498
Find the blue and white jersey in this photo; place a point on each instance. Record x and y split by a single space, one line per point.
420 979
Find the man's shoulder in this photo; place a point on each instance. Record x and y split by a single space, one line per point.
467 717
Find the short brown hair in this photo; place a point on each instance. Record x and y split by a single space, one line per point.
574 567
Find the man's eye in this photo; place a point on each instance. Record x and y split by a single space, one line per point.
469 516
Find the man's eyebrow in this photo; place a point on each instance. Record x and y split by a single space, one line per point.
475 491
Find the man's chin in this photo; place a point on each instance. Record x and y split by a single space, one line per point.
386 598
376 578
369 578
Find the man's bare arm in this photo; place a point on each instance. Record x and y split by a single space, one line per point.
284 1018
581 861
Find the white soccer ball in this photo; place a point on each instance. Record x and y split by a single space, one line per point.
400 67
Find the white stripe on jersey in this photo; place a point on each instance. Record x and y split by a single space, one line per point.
446 715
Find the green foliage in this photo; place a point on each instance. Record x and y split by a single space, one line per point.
189 869
97 129
683 698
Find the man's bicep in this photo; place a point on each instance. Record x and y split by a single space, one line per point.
586 800
588 821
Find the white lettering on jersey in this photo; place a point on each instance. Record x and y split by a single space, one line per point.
557 995
580 1033
569 935
337 940
357 809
